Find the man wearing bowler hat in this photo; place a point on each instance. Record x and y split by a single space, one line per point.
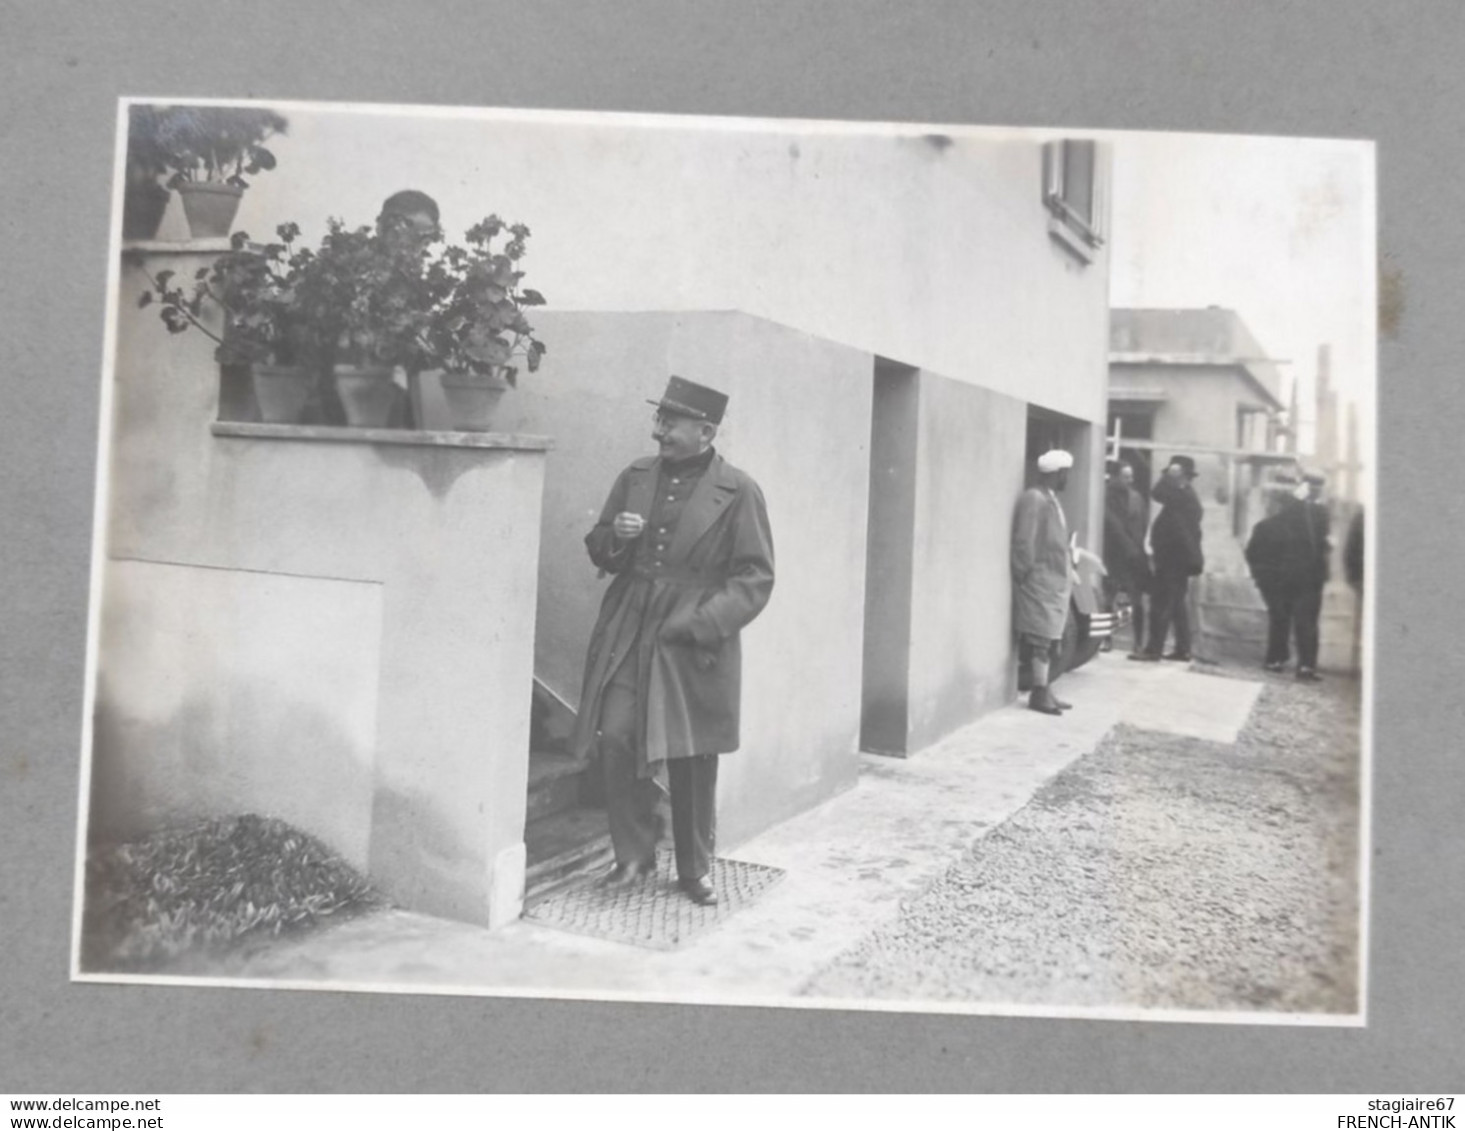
1175 541
686 536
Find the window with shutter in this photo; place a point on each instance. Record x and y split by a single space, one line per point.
1073 191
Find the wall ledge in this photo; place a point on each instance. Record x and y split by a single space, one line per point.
208 246
398 436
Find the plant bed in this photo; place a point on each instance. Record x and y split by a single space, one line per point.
191 894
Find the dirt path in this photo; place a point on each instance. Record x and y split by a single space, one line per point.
1157 872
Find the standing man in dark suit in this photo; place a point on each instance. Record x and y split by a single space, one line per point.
1175 541
1126 565
1288 557
687 537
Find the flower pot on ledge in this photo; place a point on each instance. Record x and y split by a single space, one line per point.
473 399
143 205
281 391
368 394
210 207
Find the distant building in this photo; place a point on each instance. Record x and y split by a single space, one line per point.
1198 382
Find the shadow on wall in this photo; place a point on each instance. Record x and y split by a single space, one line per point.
148 774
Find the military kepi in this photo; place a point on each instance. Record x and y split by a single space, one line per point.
687 398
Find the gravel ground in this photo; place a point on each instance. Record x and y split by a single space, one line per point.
1157 872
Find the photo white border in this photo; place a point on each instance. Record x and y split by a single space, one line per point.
670 121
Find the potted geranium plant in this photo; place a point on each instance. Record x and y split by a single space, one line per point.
478 329
144 199
370 295
210 150
263 326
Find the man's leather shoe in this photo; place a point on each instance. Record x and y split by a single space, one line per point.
701 891
623 875
1041 699
1145 657
1183 657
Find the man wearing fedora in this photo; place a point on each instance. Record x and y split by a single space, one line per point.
686 536
1042 576
1175 542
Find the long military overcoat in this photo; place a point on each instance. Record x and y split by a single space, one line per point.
1042 577
680 619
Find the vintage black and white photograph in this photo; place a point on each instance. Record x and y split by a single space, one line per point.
744 561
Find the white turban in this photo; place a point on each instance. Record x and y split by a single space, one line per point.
1056 460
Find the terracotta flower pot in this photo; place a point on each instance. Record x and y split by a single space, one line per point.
368 394
473 399
281 391
143 205
210 207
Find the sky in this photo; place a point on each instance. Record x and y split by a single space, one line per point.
1280 230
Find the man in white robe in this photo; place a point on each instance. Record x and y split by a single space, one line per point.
1042 575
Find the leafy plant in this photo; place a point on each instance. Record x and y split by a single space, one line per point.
365 297
147 156
143 198
478 325
219 144
373 294
204 890
255 288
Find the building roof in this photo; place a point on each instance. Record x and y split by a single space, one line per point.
1210 336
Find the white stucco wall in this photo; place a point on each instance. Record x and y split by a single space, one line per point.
799 422
331 629
969 476
930 251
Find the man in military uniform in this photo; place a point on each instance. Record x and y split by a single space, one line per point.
686 535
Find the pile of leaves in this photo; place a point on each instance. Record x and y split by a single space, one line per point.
202 890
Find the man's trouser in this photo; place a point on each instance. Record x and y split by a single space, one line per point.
1293 609
634 803
1279 622
1041 655
1167 604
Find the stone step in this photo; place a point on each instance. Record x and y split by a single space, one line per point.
565 847
554 783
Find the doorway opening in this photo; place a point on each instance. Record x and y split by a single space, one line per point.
566 832
889 561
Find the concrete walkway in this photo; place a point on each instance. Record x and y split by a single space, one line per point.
850 863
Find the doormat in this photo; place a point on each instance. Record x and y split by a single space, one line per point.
654 913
